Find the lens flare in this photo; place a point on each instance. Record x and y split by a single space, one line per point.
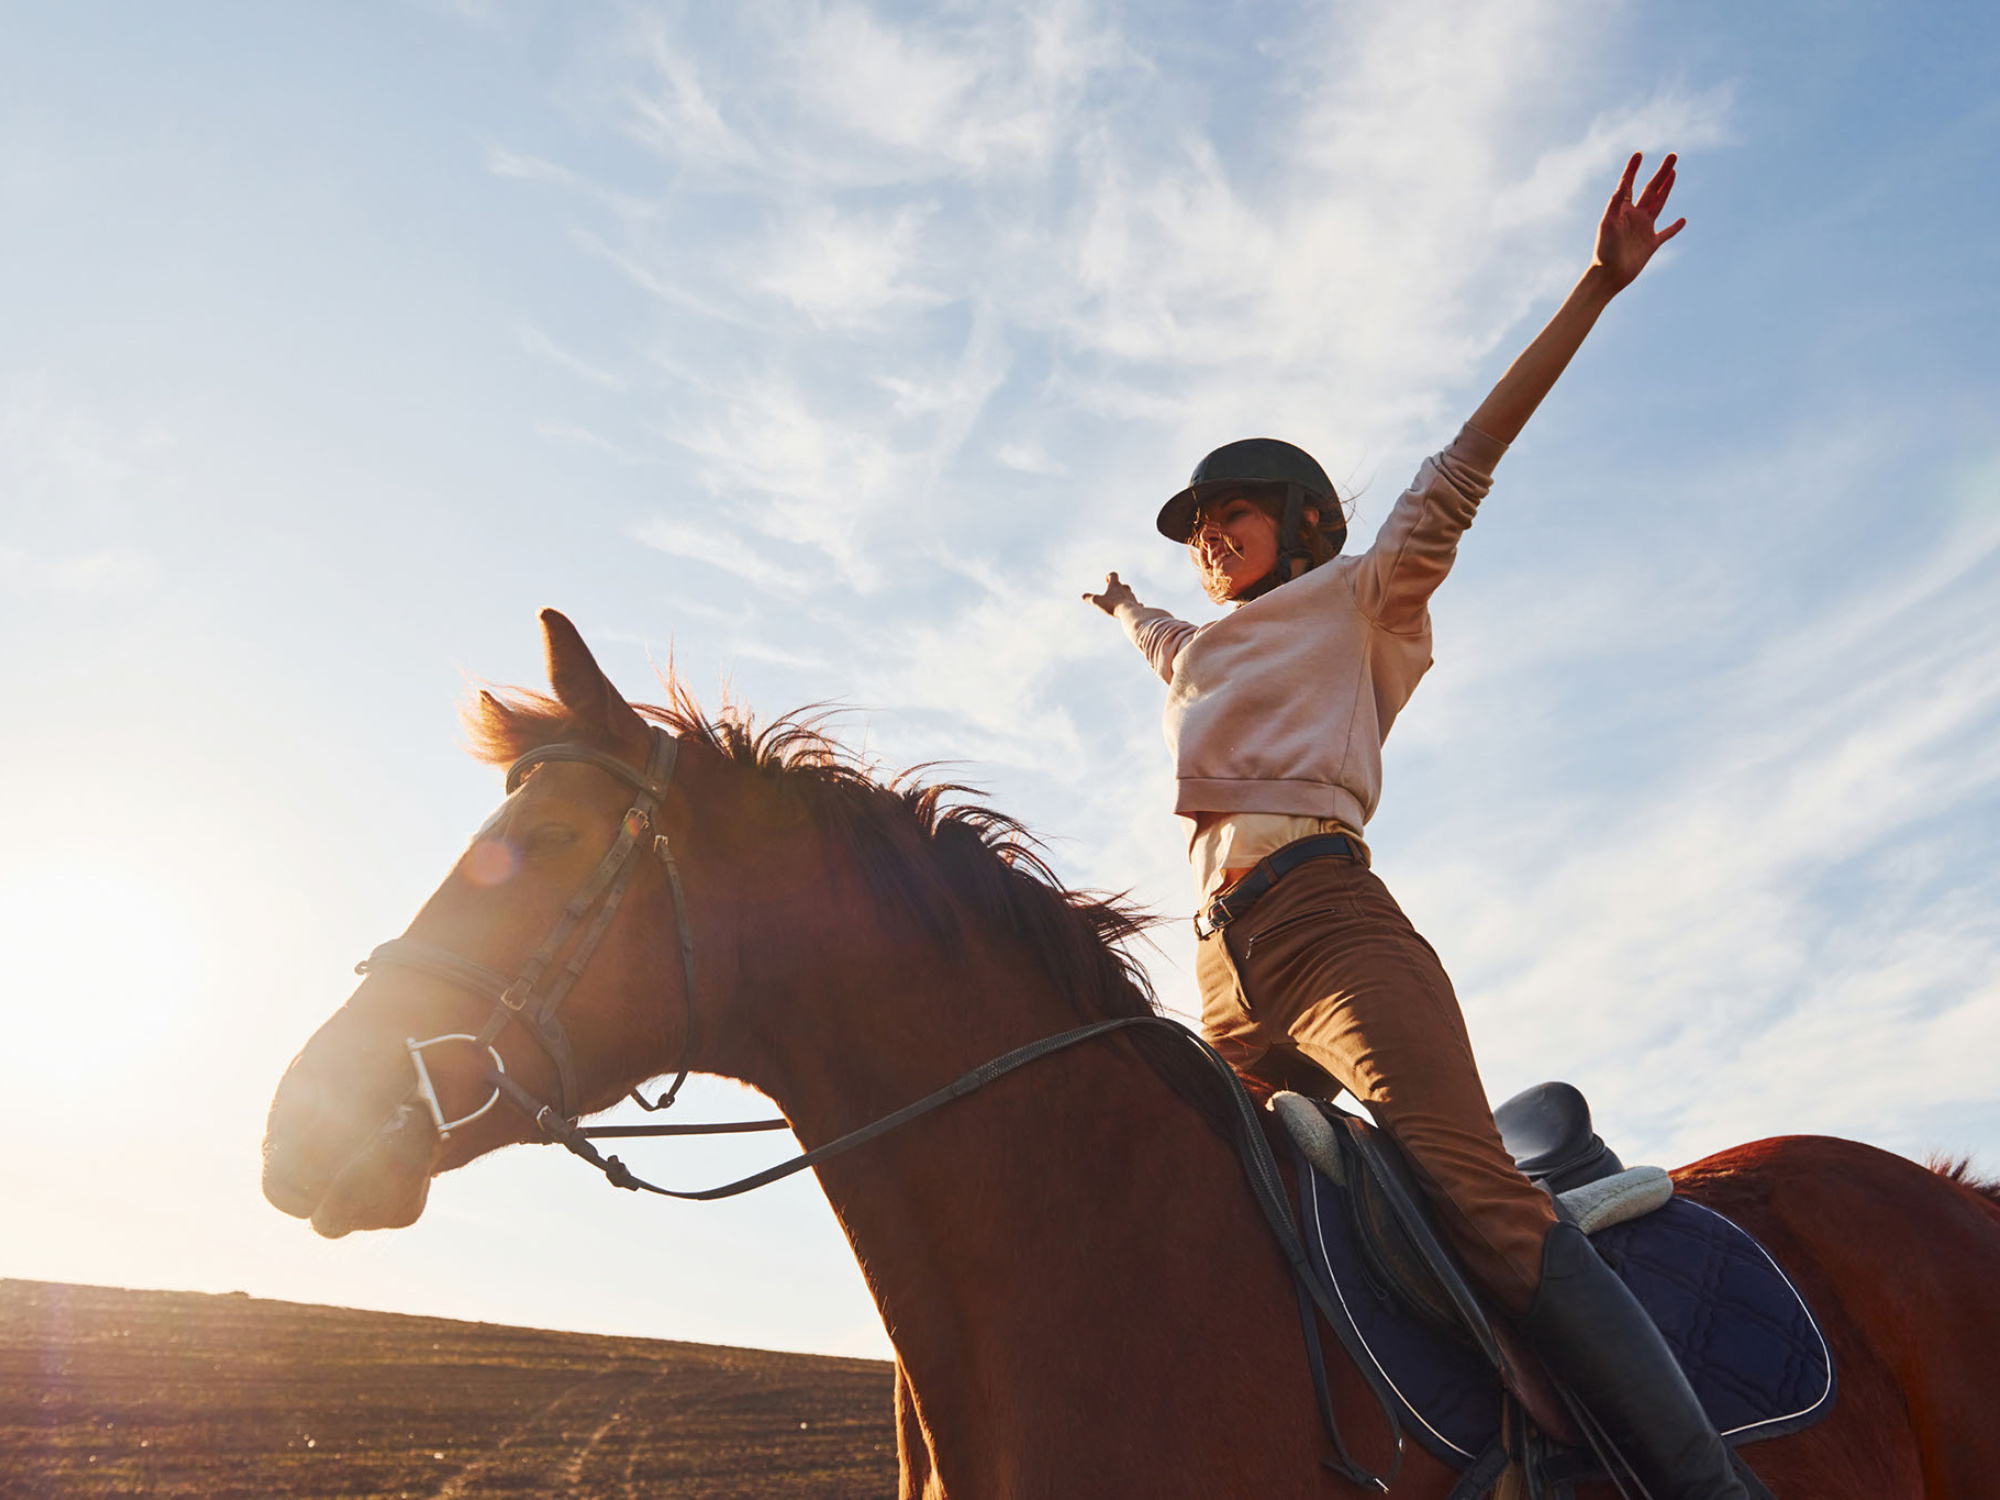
491 862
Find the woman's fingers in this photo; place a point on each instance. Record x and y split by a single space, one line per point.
1624 193
1113 592
1669 232
1655 197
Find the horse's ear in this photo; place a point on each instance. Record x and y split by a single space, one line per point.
581 686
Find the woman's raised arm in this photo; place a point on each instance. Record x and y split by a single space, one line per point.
1625 242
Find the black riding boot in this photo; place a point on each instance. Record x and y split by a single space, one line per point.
1600 1344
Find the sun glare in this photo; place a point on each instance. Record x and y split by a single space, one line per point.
102 962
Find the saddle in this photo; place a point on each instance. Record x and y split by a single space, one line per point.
1742 1333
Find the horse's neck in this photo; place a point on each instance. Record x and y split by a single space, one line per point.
1047 1253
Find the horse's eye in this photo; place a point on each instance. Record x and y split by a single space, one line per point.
548 841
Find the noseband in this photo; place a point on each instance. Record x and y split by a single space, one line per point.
535 995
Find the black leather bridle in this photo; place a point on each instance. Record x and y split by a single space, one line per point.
535 995
527 999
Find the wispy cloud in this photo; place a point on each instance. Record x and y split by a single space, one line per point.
720 547
783 468
1026 458
841 270
530 168
672 111
539 344
577 435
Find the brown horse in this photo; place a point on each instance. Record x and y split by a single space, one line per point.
1082 1298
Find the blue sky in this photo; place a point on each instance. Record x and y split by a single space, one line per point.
833 349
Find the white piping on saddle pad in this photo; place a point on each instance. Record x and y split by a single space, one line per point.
1596 1205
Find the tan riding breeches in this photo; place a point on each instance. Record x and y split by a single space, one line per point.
1325 978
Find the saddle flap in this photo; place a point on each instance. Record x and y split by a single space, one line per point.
1401 1250
1394 1228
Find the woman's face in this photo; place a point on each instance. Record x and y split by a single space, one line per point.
1235 543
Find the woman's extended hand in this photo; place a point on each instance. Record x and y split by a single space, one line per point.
1625 237
1625 242
1115 593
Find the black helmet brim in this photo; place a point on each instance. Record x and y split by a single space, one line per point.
1176 520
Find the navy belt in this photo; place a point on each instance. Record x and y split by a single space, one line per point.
1272 868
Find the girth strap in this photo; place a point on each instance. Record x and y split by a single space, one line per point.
1478 1481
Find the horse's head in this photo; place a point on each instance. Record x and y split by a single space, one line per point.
548 965
661 892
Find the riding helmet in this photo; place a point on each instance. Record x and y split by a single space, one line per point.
1262 464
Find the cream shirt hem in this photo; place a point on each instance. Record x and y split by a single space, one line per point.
1227 847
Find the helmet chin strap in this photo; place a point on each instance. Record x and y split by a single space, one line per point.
1293 558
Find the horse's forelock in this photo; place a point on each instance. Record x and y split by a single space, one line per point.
503 724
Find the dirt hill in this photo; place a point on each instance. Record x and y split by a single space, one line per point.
112 1392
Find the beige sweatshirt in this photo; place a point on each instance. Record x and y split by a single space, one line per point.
1281 706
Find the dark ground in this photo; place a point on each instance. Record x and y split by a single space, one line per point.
112 1392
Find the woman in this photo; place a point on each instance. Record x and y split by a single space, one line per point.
1310 974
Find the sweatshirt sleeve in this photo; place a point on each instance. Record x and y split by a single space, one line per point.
1419 542
1156 633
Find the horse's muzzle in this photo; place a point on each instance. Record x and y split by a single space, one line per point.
344 1169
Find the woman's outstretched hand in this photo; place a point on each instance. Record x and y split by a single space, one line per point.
1115 593
1625 236
1626 240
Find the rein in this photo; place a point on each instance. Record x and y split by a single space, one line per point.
526 1000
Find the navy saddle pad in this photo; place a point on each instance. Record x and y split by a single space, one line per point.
1740 1329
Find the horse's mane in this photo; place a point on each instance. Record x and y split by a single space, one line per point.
917 844
1958 1169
